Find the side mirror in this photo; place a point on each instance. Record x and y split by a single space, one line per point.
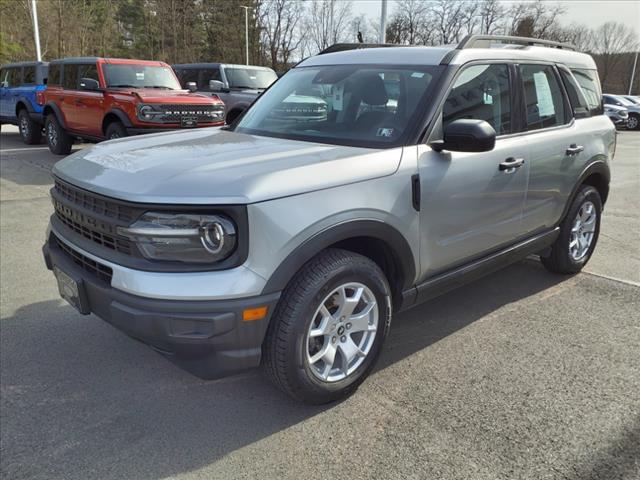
467 135
192 87
89 84
216 85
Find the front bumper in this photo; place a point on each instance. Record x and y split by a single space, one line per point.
208 338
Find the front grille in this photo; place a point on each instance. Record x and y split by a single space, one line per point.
95 204
97 269
93 217
203 113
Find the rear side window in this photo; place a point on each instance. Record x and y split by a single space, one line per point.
590 85
29 75
70 78
54 74
481 92
576 98
544 97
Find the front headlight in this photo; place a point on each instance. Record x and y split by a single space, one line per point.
189 238
148 113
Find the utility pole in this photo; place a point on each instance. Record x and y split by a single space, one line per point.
633 73
36 33
383 22
246 32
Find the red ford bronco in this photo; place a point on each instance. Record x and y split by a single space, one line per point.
104 98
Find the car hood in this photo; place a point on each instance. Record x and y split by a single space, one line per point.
615 108
152 95
214 166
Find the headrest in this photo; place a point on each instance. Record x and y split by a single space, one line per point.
373 90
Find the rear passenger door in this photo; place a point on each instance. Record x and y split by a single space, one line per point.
556 143
469 205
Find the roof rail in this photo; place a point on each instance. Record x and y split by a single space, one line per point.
485 41
341 47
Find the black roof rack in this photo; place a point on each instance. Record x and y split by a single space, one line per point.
341 47
485 41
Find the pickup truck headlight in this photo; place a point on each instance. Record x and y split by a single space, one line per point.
189 238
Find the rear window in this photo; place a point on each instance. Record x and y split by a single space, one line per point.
29 75
54 74
590 85
70 78
11 77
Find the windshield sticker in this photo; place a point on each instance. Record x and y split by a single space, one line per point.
139 75
385 132
417 74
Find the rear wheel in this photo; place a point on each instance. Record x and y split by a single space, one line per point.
633 123
578 233
59 141
115 130
328 328
30 131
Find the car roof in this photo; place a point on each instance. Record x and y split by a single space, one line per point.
473 47
126 61
24 64
213 65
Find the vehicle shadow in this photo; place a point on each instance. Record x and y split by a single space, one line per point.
104 406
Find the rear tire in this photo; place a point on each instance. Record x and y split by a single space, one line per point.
633 123
30 131
115 130
328 327
58 140
578 234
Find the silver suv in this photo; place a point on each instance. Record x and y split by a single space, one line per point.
289 242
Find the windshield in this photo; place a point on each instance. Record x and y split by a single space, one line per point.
140 76
370 106
258 79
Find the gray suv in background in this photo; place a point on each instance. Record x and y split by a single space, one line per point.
291 242
236 85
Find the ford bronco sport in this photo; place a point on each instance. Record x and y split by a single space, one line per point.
106 98
292 244
21 98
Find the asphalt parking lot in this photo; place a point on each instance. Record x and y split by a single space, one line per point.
522 375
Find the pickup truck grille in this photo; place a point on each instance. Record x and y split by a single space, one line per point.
202 113
92 217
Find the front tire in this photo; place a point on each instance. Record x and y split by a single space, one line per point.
30 131
578 234
58 140
328 328
115 130
633 123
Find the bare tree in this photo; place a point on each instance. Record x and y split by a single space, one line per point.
452 19
408 21
327 22
611 40
534 19
280 21
491 13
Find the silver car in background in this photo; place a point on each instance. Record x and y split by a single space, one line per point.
618 115
633 123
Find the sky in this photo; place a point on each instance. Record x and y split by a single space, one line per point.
591 13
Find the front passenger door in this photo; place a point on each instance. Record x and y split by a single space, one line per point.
469 205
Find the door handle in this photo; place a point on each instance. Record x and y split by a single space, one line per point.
511 163
574 149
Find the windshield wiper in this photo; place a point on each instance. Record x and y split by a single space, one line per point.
122 86
158 86
245 86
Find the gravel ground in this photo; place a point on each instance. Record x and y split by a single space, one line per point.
522 375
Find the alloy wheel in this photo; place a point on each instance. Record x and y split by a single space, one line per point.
342 332
583 231
632 123
52 135
24 127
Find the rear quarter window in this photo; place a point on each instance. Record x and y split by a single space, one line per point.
55 74
577 100
29 75
590 85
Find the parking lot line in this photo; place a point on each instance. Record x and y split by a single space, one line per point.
13 150
626 282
